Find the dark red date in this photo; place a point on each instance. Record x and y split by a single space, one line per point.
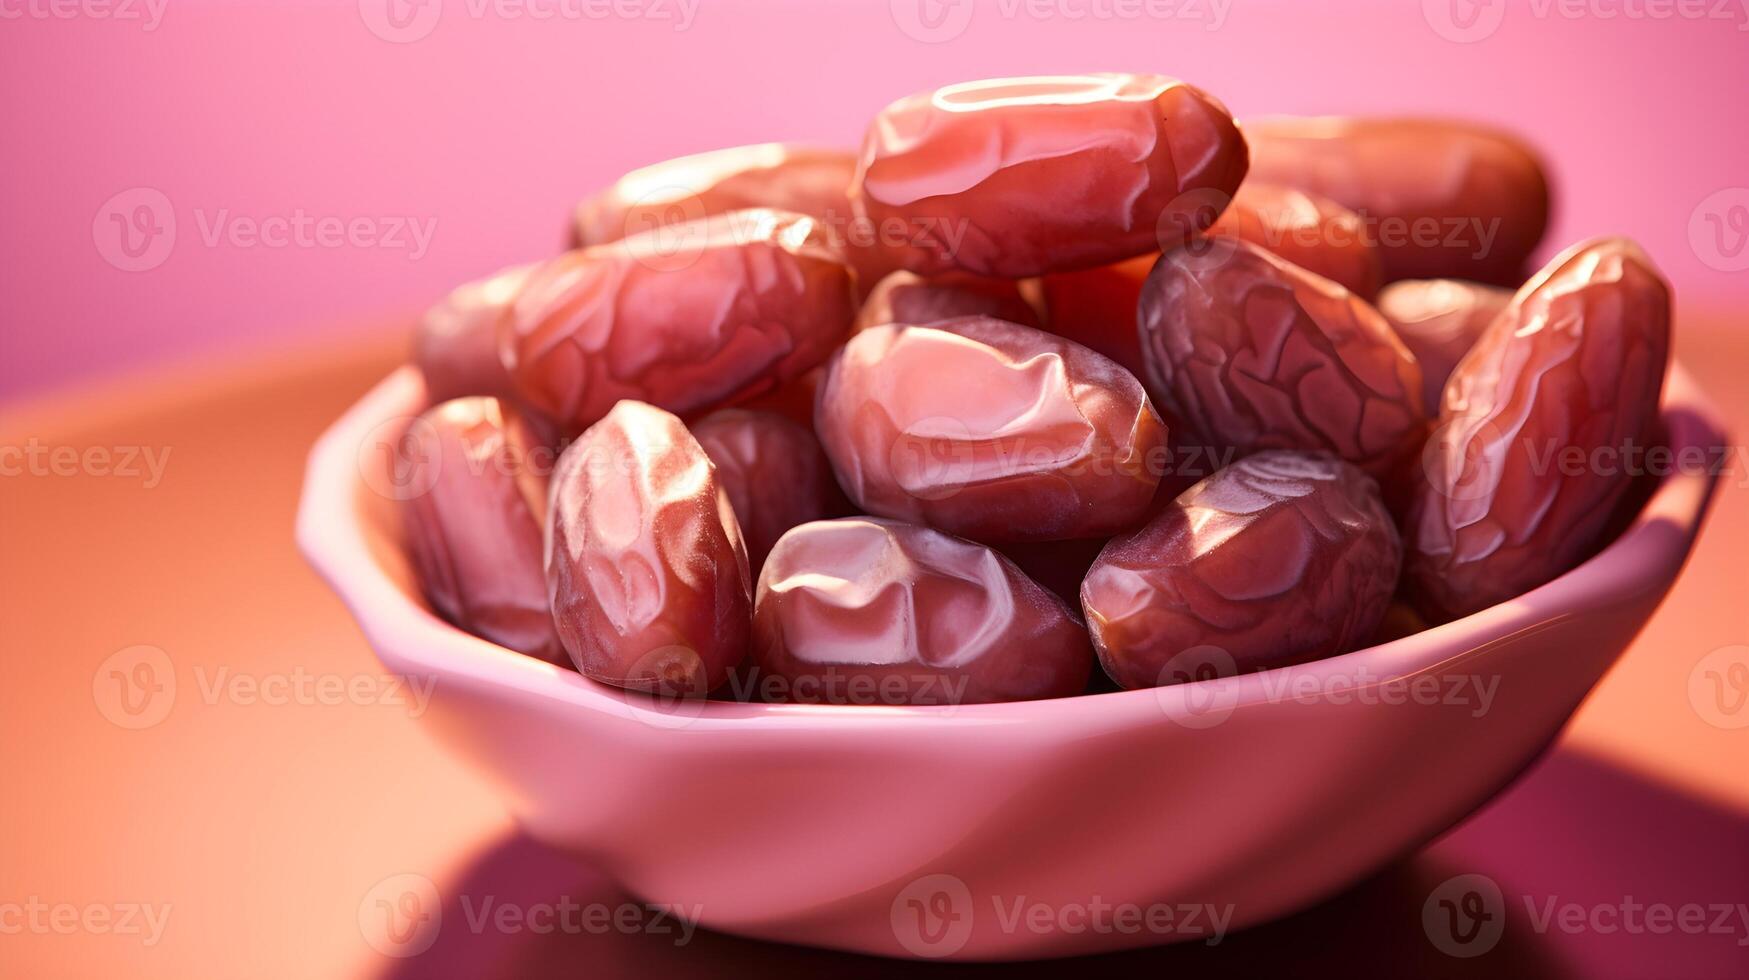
869 611
990 430
685 318
475 473
1247 352
1017 177
1538 428
1441 198
1280 558
646 568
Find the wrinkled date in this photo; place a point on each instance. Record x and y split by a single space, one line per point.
868 611
990 430
1021 176
1440 198
1246 352
906 297
782 176
1530 456
685 318
1439 320
456 344
646 568
1313 232
774 472
475 475
1280 558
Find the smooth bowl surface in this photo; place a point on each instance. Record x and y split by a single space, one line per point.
1006 831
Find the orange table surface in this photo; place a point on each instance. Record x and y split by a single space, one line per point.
243 832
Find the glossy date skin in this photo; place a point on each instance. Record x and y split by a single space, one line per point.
774 472
1445 199
906 297
1309 230
1017 177
989 430
475 472
686 318
456 343
1247 352
808 180
646 568
1439 320
1097 306
1530 457
1280 558
871 611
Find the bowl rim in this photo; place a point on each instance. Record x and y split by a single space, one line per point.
408 637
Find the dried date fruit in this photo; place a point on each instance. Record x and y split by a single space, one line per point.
782 176
685 318
1313 232
1439 320
1246 352
646 569
456 344
906 297
1539 429
1278 559
870 611
1441 198
475 473
1017 177
989 430
774 472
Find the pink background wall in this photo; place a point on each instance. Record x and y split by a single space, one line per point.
485 128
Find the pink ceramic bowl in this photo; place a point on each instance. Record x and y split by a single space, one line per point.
1002 831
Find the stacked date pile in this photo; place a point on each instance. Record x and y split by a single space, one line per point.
1056 370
